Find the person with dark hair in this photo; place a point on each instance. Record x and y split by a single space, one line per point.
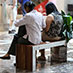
22 2
54 21
53 28
34 23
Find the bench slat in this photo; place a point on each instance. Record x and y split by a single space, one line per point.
49 45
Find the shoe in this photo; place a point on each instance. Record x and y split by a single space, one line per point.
11 31
14 64
5 57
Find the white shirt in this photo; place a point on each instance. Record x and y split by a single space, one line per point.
34 22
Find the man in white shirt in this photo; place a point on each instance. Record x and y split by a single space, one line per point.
34 22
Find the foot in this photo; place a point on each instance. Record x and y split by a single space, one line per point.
7 56
41 58
11 31
14 64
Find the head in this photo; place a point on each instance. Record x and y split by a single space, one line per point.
50 7
29 6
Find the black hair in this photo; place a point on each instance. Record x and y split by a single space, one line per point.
30 5
50 7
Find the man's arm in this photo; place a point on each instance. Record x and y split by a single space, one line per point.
19 22
23 21
49 20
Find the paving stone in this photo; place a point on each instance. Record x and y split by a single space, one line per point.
7 66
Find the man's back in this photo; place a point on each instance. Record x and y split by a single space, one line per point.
34 25
34 22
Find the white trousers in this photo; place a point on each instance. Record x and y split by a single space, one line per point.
9 14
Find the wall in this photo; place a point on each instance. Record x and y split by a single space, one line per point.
60 4
67 2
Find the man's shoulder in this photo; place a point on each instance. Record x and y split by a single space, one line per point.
28 15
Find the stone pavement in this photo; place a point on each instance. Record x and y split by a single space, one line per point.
7 66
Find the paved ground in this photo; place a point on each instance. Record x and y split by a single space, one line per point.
7 66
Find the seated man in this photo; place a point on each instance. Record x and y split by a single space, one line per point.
34 23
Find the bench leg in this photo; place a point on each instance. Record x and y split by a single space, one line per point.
31 59
25 57
20 57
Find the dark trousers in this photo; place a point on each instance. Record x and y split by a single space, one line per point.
21 32
21 40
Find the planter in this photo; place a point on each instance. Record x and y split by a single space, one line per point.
67 26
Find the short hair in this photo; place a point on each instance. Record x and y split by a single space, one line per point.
30 5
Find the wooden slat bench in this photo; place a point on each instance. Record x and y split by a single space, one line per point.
26 54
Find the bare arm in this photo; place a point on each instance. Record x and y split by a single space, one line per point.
49 20
14 1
